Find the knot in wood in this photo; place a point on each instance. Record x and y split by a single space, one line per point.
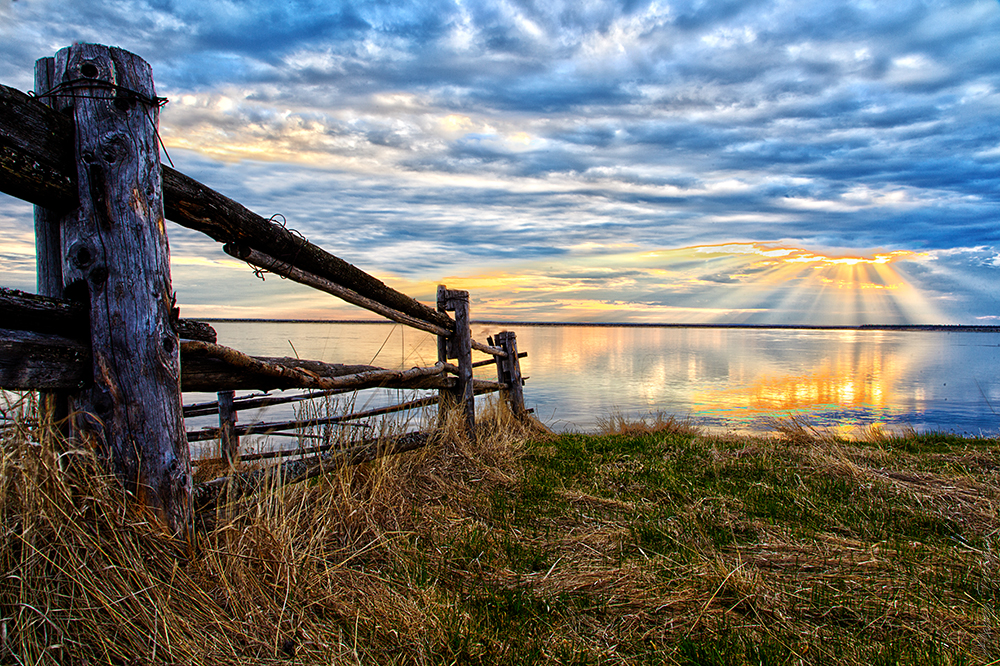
81 255
237 250
98 275
113 148
89 69
84 67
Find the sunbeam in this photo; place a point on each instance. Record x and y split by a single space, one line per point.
731 283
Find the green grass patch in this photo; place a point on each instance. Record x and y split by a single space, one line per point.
697 550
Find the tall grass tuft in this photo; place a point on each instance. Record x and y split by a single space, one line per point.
619 423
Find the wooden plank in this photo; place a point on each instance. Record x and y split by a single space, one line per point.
191 204
53 406
229 441
210 493
192 329
268 428
48 247
251 401
71 368
116 262
488 349
204 373
38 361
447 398
296 376
262 260
24 311
36 152
493 361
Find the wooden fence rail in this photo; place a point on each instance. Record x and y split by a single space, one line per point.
103 341
50 349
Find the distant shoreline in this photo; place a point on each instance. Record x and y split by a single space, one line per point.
951 328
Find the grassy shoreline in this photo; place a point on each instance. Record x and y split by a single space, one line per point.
649 544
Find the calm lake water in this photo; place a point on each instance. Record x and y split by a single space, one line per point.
717 377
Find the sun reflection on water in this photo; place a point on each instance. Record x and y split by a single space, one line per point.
859 387
863 374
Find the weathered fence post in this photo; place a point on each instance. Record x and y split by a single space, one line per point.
115 259
458 346
53 407
509 371
229 441
446 397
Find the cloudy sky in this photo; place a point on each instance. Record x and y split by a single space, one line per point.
732 161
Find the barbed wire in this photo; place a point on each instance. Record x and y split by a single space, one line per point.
282 222
72 87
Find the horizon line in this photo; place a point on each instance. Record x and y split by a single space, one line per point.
831 327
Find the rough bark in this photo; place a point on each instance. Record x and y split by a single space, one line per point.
191 204
53 406
39 361
71 368
36 152
262 260
23 311
459 346
116 262
509 371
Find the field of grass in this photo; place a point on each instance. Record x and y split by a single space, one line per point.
649 544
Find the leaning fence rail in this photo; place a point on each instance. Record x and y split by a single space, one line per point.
102 340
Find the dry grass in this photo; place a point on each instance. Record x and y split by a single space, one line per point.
649 544
619 423
90 579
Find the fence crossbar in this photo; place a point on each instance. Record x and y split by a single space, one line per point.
482 387
257 401
285 269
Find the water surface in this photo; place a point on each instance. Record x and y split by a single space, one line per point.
719 377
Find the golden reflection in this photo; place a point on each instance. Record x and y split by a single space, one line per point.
859 377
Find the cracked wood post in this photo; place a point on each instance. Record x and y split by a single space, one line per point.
115 260
509 372
53 406
458 346
229 441
446 397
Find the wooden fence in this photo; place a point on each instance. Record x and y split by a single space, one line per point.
102 340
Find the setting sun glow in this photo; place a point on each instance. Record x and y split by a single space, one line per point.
732 283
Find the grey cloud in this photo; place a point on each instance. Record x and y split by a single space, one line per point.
720 278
